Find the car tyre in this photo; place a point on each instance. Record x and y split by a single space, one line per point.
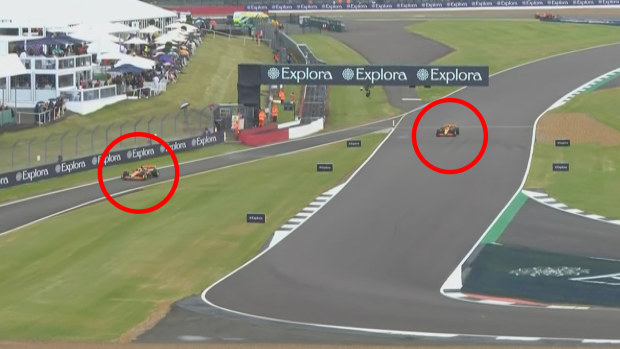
457 131
155 173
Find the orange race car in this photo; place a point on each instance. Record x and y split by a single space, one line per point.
140 174
448 130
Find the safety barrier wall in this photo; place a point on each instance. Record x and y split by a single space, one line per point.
434 5
306 130
91 162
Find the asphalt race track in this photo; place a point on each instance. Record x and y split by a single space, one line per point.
14 215
542 227
378 253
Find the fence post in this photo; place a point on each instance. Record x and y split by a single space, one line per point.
106 134
161 129
77 135
62 141
29 143
45 147
120 131
92 140
149 127
13 153
176 116
135 129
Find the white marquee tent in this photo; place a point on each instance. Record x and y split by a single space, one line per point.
71 12
11 65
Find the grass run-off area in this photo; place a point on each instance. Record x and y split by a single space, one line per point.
210 77
97 272
504 44
347 104
592 184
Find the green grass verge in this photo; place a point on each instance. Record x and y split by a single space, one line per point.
46 186
347 104
592 184
94 273
503 44
209 78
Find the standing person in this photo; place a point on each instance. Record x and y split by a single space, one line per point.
293 97
281 95
261 118
274 113
288 57
236 125
276 58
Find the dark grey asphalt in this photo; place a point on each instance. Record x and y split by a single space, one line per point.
545 228
378 253
373 39
20 213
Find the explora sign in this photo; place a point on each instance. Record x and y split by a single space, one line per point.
375 75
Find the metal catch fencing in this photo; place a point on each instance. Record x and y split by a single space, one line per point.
46 147
314 97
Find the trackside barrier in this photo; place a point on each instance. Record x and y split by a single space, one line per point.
306 130
434 5
91 162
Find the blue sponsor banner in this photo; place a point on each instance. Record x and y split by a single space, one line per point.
91 162
430 5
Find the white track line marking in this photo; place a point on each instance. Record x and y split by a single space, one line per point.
334 191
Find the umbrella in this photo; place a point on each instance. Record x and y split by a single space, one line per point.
175 25
136 41
126 68
151 29
137 61
103 47
91 35
166 58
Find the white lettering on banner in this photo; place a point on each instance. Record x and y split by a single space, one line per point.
305 74
362 75
585 3
608 2
202 141
29 176
68 167
533 3
174 146
431 4
399 5
456 75
4 181
557 3
481 4
109 159
507 3
140 153
456 4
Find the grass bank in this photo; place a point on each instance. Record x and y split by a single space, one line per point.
502 44
592 184
209 78
97 272
347 104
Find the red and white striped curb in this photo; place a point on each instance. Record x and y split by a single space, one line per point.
495 300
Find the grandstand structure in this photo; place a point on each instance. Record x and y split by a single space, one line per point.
48 75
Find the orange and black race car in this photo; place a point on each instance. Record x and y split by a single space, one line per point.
448 130
140 174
